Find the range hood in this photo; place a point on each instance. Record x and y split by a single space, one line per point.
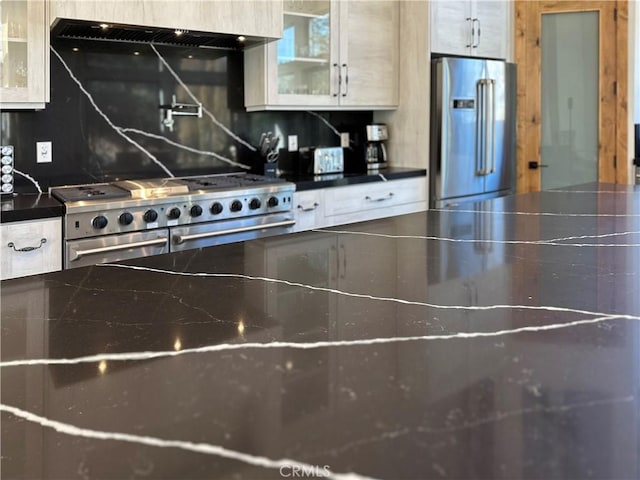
83 30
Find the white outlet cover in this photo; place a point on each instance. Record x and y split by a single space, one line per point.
344 139
292 143
43 152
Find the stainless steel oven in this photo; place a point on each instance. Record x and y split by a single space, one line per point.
128 219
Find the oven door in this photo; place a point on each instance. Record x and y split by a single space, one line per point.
229 231
111 248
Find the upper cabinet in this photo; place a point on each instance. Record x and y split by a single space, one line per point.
470 28
250 18
24 54
332 55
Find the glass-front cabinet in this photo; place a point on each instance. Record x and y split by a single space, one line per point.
24 56
332 54
306 51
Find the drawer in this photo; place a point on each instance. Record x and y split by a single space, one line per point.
30 247
309 209
372 196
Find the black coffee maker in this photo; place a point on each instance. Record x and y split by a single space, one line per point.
375 152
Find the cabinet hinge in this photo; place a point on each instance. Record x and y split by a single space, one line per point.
615 88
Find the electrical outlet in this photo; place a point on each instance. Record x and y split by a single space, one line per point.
43 152
293 143
344 139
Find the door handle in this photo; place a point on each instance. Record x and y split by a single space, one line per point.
180 239
480 126
346 79
474 21
337 67
535 165
470 43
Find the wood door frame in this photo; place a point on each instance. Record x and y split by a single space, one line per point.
612 155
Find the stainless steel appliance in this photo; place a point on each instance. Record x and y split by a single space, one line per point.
133 218
473 130
320 160
375 151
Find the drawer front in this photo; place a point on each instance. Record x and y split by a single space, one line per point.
308 207
31 247
372 196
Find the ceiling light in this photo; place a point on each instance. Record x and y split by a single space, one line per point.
241 38
178 32
75 49
136 53
104 26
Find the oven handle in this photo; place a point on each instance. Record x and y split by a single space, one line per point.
196 236
77 254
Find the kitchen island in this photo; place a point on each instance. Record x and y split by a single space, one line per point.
497 339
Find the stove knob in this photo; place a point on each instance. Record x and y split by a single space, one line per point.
150 216
216 208
236 206
99 222
174 213
125 218
273 202
254 204
195 211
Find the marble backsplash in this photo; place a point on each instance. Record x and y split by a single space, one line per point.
128 83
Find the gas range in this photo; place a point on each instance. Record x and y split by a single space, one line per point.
119 220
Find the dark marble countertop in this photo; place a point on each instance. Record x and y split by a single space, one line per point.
29 206
312 182
495 340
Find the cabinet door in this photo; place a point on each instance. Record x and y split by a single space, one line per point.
24 54
302 68
30 247
492 22
450 27
309 210
369 50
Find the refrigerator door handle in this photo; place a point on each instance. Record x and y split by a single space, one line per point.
489 128
480 135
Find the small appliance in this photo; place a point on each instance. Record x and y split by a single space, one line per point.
375 151
321 160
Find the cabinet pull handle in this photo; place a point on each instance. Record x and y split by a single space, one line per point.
336 65
346 79
476 45
389 196
470 43
308 209
26 249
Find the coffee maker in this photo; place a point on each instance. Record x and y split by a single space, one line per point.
375 152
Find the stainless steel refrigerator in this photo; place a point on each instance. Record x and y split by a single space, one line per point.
473 130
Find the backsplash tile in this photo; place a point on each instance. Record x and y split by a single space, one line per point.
128 83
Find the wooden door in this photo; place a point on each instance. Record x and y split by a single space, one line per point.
612 87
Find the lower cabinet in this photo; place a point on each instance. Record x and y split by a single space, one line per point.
30 247
355 203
